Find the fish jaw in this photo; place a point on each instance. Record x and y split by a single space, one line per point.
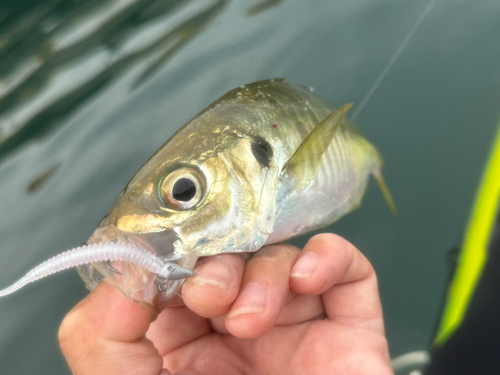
135 282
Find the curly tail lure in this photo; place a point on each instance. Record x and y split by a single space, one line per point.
101 253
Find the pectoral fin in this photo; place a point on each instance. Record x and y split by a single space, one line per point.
305 162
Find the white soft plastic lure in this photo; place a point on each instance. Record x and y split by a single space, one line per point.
105 252
264 163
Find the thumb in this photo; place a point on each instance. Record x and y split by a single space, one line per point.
104 334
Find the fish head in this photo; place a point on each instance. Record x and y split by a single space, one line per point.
207 191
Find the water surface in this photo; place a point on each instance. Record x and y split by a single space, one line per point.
90 89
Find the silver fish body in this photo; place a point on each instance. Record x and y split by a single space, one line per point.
249 170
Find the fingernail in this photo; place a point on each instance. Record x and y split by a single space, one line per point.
305 266
252 299
214 272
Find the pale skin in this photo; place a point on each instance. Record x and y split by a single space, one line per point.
278 311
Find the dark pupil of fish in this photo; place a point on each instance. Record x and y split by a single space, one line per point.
184 190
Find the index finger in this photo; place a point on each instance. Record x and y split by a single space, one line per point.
331 266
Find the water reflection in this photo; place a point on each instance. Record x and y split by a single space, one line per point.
58 59
40 181
173 41
262 7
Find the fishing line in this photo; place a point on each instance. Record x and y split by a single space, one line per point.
178 294
394 57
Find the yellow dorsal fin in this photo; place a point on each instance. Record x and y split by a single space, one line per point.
305 162
385 192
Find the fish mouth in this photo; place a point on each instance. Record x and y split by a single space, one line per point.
161 244
134 281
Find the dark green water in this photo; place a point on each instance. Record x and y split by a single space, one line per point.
90 89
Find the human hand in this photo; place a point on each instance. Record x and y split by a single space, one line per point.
278 311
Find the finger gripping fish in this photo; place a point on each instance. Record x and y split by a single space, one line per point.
266 162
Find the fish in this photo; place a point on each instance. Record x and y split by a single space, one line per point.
264 163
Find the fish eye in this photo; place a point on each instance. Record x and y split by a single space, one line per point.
182 189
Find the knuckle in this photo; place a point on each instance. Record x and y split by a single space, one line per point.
78 348
277 253
67 328
333 245
331 239
71 331
271 263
